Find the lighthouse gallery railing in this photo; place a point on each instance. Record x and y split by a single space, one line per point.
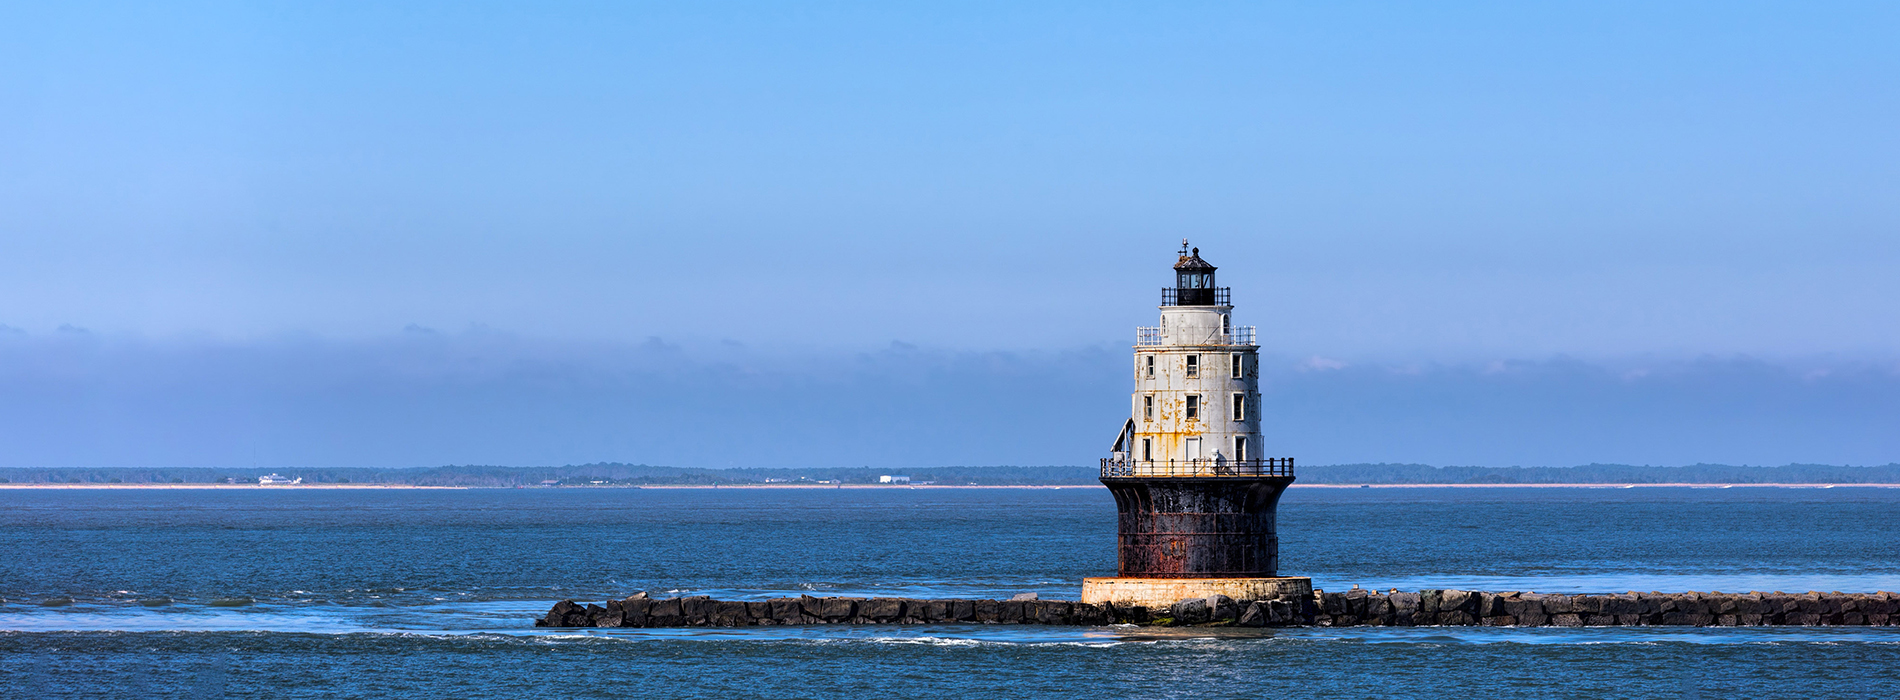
1150 336
1113 468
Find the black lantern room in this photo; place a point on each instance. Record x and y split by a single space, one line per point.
1193 282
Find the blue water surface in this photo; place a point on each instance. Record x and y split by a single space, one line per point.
425 593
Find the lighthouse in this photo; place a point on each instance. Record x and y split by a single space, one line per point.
1195 492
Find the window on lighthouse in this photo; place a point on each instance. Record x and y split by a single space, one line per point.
1193 406
1194 365
1147 408
1240 407
1239 361
1147 450
1151 366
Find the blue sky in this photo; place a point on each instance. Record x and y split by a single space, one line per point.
910 235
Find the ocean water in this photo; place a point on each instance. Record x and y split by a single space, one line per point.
423 593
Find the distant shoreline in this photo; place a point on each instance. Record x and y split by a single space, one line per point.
255 487
889 487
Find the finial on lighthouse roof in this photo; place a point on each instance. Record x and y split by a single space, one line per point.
1191 259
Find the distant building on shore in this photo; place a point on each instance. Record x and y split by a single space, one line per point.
893 479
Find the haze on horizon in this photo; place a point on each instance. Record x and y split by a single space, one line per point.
741 234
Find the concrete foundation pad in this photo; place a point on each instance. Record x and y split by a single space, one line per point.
1160 592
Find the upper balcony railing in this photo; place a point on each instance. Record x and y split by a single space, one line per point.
1206 296
1150 336
1122 468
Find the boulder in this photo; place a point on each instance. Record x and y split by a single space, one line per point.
1405 609
1281 613
1089 614
787 611
1450 601
633 610
1378 607
1024 596
1308 611
731 613
1649 603
1723 605
838 609
1403 603
664 613
696 610
557 616
1010 612
1566 620
1254 616
987 611
1618 604
1054 612
598 616
1190 611
881 610
963 610
1520 607
1490 605
1356 600
1529 610
1221 608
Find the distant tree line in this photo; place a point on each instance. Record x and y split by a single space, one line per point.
617 474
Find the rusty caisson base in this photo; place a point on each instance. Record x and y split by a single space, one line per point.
1197 527
1194 537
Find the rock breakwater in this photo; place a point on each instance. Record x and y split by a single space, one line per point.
1344 609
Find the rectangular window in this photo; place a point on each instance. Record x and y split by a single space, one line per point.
1240 407
1151 366
1147 408
1240 448
1194 365
1147 450
1239 362
1193 406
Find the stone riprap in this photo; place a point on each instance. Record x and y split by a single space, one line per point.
1346 609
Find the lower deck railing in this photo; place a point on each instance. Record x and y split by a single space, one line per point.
1140 468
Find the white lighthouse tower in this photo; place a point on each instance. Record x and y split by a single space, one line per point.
1195 502
1197 382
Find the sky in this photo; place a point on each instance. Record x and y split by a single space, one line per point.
907 234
